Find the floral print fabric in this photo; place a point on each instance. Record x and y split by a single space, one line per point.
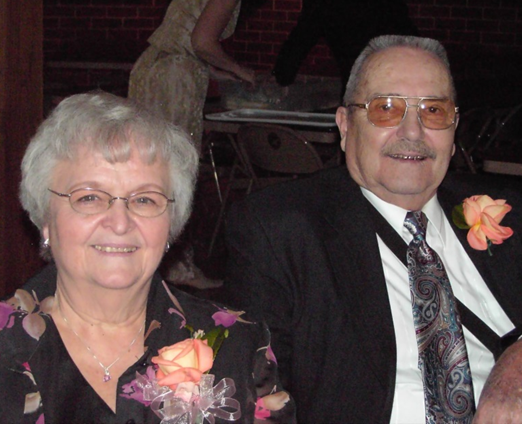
39 382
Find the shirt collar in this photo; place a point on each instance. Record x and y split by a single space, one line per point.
395 216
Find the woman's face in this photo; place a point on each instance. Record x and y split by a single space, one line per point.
114 249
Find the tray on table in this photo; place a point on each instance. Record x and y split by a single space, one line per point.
308 119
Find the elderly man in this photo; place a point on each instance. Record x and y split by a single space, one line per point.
382 309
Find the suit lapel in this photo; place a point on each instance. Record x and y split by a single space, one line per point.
352 246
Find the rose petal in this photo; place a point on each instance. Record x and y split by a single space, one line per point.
471 211
189 353
205 355
494 232
484 201
477 238
497 212
179 376
184 358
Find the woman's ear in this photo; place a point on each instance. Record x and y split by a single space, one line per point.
45 232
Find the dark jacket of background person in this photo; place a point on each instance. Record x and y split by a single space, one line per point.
347 25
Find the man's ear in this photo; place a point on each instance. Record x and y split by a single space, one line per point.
341 119
457 118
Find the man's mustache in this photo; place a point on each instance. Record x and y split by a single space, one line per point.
402 146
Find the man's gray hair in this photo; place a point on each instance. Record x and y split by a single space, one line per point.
115 127
385 42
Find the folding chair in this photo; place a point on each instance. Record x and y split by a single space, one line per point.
269 154
273 153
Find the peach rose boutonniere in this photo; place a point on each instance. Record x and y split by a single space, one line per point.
482 216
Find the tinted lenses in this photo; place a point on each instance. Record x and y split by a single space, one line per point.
389 111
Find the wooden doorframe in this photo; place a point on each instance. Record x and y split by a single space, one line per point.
21 110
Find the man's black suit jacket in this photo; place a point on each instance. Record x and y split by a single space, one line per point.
304 256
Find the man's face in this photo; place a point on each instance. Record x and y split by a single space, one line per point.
402 165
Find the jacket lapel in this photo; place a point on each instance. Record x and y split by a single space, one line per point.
353 249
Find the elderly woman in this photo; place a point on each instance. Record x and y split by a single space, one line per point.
97 336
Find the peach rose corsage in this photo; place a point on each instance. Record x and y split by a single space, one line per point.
183 362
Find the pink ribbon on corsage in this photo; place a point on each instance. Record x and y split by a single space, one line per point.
191 403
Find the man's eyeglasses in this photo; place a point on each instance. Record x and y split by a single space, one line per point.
89 201
389 111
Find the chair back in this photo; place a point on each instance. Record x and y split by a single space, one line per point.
276 148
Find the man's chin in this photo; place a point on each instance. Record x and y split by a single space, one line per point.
410 194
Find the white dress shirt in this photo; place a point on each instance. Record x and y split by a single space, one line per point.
468 286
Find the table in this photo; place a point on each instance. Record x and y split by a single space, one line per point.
502 167
314 127
326 135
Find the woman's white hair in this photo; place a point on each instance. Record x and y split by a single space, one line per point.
385 42
113 126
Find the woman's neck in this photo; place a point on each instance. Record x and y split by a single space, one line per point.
101 306
104 335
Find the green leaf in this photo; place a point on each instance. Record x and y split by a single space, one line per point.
457 214
215 338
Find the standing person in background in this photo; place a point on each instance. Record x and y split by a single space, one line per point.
172 75
347 25
171 78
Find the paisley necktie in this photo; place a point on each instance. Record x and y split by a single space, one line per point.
443 359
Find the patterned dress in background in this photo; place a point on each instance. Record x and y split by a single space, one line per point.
168 77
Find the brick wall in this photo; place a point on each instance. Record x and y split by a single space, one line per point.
483 37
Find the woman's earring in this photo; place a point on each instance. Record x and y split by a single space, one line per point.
46 244
167 247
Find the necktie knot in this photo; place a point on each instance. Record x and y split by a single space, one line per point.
416 223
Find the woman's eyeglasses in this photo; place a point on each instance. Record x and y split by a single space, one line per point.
389 111
89 201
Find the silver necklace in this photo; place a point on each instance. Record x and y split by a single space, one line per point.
106 369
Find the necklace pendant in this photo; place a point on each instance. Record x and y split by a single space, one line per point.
107 376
